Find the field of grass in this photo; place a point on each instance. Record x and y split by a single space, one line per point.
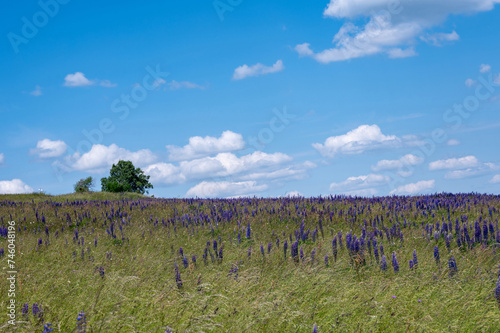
114 258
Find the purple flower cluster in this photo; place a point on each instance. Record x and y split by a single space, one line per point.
178 279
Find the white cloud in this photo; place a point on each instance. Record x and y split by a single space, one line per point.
392 27
365 137
14 186
437 39
175 85
37 91
101 157
107 84
495 179
484 68
454 163
470 82
462 167
2 158
360 182
257 165
47 148
407 160
293 194
453 142
199 146
224 189
414 188
245 71
77 79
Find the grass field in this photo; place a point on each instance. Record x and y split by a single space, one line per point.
113 257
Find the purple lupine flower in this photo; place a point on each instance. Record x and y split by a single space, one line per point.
497 291
411 264
334 248
315 328
36 309
46 328
215 246
415 262
285 247
326 259
436 254
381 249
262 249
249 252
278 243
383 263
101 271
25 309
313 253
178 279
395 264
248 230
239 237
181 252
220 253
185 262
81 323
269 246
452 265
375 249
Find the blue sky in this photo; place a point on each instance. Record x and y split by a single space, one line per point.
235 98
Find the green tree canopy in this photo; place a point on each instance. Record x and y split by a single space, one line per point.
124 177
84 185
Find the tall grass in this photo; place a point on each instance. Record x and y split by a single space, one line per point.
139 293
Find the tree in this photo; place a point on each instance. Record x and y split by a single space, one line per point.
124 177
84 185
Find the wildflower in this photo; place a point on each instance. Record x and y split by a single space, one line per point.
452 265
313 253
46 328
262 249
334 248
220 253
248 230
395 264
215 246
411 264
36 309
185 262
383 263
278 243
415 262
497 291
326 259
315 328
194 259
436 254
393 296
25 309
239 237
101 271
178 279
285 246
181 251
81 324
269 246
249 252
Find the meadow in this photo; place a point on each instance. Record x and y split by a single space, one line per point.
128 263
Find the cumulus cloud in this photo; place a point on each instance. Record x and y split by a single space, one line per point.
203 146
258 69
365 137
14 186
207 189
470 82
257 165
361 184
47 148
101 157
484 68
2 158
414 188
454 163
393 28
495 179
293 194
407 160
453 142
77 79
462 167
37 92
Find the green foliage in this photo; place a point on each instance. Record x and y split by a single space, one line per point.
84 185
124 177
